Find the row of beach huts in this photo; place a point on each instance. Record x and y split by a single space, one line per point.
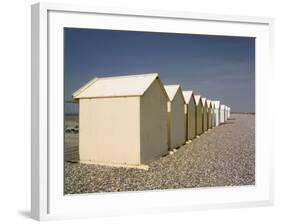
133 119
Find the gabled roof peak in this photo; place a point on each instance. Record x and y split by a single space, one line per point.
171 90
187 96
217 104
204 101
197 99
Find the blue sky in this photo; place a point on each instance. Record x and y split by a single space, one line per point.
216 67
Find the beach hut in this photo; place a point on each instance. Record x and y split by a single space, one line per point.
213 114
205 114
217 113
210 113
222 113
122 120
226 113
176 116
199 115
190 110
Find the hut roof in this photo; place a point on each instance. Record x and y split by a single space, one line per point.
127 85
217 104
187 96
197 99
171 90
209 103
204 101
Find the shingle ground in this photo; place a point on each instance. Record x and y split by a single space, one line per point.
223 156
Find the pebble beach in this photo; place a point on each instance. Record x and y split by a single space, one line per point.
222 156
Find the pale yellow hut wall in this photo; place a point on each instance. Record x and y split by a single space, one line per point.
169 114
191 119
199 119
154 124
109 130
222 113
213 118
177 121
209 118
205 118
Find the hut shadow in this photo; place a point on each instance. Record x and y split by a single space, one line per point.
228 122
71 154
25 213
231 119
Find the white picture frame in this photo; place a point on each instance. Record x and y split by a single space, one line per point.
47 199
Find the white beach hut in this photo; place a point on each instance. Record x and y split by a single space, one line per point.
205 114
199 115
122 120
217 113
210 114
228 112
190 110
176 116
225 113
213 114
222 113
